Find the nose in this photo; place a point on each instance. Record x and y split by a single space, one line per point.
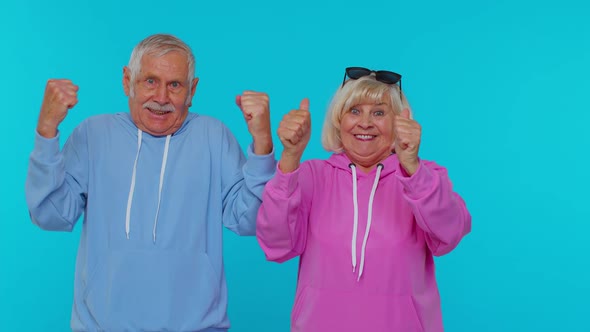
366 121
161 95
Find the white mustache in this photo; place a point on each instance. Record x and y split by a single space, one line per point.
157 107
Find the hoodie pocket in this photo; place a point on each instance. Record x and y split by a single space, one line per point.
332 310
149 290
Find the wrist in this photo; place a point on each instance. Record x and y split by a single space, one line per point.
288 163
47 131
410 168
262 144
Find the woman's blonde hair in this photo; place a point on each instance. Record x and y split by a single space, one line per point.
354 92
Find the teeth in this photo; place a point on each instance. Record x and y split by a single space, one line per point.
364 136
158 112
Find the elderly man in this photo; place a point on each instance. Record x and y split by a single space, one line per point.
155 186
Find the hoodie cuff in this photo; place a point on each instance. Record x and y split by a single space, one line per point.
46 150
420 184
285 182
260 165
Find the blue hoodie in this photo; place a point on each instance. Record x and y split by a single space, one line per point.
150 254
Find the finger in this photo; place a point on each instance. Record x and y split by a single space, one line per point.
253 98
72 87
64 94
253 93
291 126
72 103
404 128
298 116
405 113
288 135
239 101
287 142
403 123
62 83
403 139
408 138
304 105
294 122
70 92
62 80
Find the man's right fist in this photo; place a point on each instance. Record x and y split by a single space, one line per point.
60 96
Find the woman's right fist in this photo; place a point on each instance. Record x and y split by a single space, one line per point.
295 129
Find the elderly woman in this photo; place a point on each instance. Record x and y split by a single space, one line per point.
367 221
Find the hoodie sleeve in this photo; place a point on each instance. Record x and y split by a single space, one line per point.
283 217
439 211
56 183
243 181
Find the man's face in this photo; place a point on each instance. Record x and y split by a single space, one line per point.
161 93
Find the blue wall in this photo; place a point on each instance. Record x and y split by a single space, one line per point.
500 88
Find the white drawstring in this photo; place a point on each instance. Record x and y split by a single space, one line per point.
162 171
132 188
369 218
356 216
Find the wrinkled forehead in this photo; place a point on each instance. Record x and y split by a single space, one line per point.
171 63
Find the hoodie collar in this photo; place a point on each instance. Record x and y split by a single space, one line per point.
341 161
132 128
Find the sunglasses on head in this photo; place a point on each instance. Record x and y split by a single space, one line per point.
383 76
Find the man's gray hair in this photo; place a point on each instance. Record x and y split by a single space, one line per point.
159 45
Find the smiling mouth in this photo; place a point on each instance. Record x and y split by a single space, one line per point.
158 112
365 137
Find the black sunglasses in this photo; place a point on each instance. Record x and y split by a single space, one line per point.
383 76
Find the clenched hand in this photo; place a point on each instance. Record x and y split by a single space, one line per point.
294 132
255 109
60 96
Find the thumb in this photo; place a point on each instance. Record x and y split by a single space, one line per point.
304 105
405 113
239 101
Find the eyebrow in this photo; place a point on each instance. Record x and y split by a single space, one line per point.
366 103
155 77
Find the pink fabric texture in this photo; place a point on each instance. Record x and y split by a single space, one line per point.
309 213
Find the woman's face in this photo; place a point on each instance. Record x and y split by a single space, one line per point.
366 131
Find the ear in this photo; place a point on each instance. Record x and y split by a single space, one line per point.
126 80
193 90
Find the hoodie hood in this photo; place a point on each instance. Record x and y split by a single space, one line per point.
386 167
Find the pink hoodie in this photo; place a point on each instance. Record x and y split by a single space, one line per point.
379 277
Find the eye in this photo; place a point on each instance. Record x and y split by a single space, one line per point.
175 85
379 113
354 111
150 81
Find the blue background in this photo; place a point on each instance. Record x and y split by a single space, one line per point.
500 88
